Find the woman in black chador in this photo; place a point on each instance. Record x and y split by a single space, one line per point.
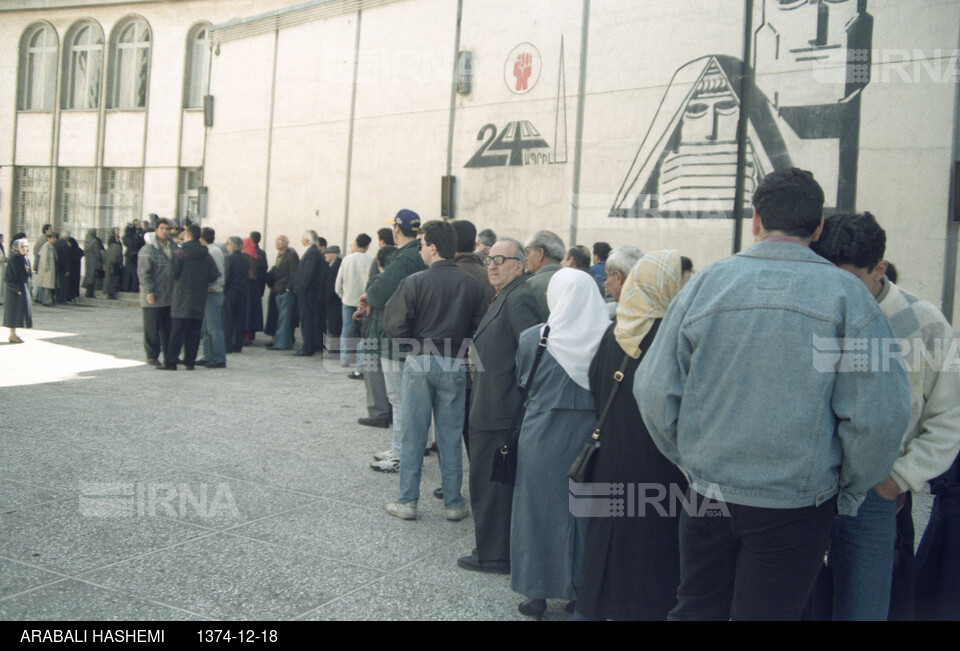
631 567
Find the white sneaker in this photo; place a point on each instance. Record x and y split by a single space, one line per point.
458 513
386 455
402 511
387 465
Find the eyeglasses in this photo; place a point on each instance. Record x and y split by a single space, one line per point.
497 260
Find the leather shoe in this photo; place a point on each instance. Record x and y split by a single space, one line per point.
490 567
533 608
438 493
216 365
356 375
202 362
375 422
300 353
165 368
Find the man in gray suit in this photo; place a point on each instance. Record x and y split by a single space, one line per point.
544 252
495 400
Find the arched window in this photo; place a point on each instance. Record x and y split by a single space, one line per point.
38 68
82 65
129 65
197 65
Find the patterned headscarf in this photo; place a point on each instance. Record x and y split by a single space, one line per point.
653 282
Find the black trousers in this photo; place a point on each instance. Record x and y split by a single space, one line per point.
156 330
184 334
491 502
309 326
753 564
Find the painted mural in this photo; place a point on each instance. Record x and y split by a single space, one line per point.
801 94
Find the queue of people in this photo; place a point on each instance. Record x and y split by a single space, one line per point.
644 442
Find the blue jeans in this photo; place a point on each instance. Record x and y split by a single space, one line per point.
861 555
348 337
214 348
437 386
284 338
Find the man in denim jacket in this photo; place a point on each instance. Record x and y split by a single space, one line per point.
766 386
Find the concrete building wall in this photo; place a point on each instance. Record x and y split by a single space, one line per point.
611 120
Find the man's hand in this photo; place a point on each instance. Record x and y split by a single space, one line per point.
362 304
151 299
888 490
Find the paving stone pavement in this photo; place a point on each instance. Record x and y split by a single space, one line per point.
235 494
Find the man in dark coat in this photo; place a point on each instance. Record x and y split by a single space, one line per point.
133 241
282 274
332 303
191 269
236 271
309 285
494 402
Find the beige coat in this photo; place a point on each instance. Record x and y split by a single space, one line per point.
47 268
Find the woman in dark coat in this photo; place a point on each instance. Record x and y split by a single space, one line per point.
76 260
16 313
92 262
938 557
113 266
631 568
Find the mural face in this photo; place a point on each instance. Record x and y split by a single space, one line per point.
803 110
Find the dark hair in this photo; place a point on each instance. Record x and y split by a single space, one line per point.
891 272
580 259
363 240
385 235
851 238
207 234
194 231
686 264
384 253
255 236
442 235
602 250
789 200
466 235
322 241
162 220
45 227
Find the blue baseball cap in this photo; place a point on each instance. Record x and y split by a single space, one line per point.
407 220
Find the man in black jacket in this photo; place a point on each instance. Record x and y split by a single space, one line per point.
494 402
236 271
435 312
191 269
308 284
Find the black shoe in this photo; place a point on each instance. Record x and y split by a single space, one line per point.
533 608
570 606
202 362
375 422
165 368
300 353
490 567
188 367
153 362
356 375
438 493
216 365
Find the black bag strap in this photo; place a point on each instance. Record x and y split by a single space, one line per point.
618 378
525 389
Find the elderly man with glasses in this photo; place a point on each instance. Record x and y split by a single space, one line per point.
494 401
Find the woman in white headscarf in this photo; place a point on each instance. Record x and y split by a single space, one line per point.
546 540
631 568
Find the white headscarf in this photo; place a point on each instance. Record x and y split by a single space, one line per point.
578 320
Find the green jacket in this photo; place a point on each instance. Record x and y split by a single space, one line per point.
404 262
539 282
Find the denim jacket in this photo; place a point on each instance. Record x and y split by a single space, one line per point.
746 387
